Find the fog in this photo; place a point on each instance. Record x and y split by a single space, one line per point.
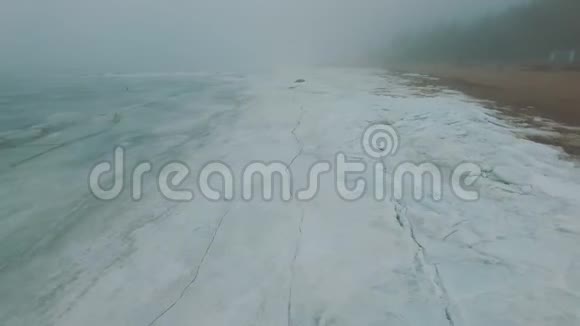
180 35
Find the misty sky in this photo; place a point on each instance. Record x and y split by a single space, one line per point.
180 35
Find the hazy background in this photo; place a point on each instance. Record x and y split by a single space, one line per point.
180 35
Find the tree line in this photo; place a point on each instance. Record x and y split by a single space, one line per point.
528 33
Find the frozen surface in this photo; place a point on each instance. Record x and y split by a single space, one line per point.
510 258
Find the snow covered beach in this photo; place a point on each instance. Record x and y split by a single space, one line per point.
510 258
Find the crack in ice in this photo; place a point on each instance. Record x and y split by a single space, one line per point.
436 279
450 234
196 274
293 264
300 143
59 146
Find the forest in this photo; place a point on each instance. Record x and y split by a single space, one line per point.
529 33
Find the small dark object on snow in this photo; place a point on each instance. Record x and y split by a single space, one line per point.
300 81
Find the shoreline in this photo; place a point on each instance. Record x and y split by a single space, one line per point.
533 96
